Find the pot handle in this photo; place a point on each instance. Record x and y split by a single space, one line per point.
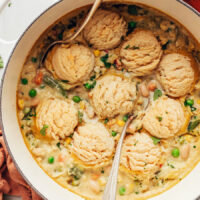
192 5
3 3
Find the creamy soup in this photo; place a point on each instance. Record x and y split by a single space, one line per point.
129 60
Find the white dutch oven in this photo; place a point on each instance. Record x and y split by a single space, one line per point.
187 189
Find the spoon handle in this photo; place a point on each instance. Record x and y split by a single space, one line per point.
111 186
91 13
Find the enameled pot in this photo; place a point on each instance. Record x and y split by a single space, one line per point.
187 189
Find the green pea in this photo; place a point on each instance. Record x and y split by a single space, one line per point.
24 81
43 130
106 121
175 152
114 133
122 190
51 160
125 118
76 99
189 102
32 93
193 108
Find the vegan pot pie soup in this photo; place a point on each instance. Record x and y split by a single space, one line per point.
128 59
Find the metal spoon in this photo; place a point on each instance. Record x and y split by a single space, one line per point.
111 186
89 16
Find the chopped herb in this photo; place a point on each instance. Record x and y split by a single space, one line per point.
131 27
34 59
155 140
135 143
43 130
128 46
159 118
164 47
80 117
71 135
125 118
72 23
102 171
22 126
133 10
114 133
92 77
106 121
24 81
1 62
107 65
60 35
189 102
58 145
193 125
194 146
122 190
42 86
104 60
65 81
89 86
29 112
9 5
75 172
54 84
193 108
157 94
136 192
170 165
134 47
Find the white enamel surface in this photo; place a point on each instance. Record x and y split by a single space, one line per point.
188 188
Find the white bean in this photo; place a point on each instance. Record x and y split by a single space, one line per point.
94 186
143 89
185 151
90 112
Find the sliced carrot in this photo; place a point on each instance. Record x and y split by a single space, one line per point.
38 78
95 176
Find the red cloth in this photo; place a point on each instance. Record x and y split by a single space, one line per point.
11 182
194 3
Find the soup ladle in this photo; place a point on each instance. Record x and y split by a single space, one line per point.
68 40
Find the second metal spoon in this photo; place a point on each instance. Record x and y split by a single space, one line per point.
89 16
111 186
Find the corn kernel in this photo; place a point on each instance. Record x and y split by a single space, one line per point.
21 103
120 122
119 179
198 101
102 181
130 188
188 138
67 141
82 105
96 53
